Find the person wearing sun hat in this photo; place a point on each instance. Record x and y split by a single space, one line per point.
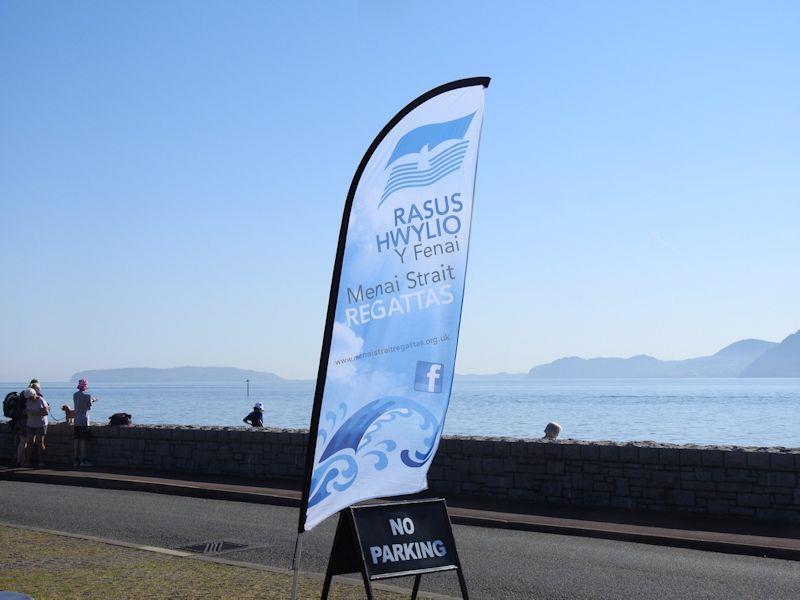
82 402
35 385
36 411
255 418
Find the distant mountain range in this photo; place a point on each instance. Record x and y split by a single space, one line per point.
175 374
782 360
745 358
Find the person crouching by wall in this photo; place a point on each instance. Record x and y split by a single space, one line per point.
36 410
82 404
552 431
255 418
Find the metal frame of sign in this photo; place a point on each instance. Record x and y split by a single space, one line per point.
347 555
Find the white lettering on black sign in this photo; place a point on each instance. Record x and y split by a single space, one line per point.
415 550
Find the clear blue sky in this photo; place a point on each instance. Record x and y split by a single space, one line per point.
172 175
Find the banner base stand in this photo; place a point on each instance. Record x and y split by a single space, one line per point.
298 544
398 539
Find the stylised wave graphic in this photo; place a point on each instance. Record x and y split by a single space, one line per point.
359 443
409 174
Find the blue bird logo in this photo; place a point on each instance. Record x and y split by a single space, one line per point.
431 163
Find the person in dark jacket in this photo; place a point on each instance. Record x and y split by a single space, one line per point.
19 427
255 418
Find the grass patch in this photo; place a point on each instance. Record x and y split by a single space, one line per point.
48 566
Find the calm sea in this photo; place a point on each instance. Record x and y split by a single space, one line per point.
753 412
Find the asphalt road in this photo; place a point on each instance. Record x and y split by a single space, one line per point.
498 563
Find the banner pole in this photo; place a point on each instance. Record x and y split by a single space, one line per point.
298 545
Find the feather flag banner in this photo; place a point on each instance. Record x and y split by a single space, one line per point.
394 313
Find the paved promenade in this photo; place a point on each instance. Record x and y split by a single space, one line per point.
740 536
499 563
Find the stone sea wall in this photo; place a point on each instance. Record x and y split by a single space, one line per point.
761 483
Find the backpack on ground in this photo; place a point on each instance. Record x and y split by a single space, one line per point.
119 419
13 405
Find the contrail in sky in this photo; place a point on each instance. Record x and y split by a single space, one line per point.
664 242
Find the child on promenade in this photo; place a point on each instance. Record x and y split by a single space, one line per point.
255 418
82 403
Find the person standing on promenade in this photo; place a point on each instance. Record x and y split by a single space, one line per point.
14 408
36 410
255 418
82 403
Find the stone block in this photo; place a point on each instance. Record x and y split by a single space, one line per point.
680 497
520 494
735 459
777 514
590 452
758 460
471 447
752 500
552 450
583 481
436 472
669 456
690 457
780 499
493 465
609 452
718 506
705 474
510 464
523 480
450 445
781 461
649 456
731 486
741 476
781 479
713 458
706 486
665 478
629 454
555 467
159 448
622 502
551 488
495 481
459 465
535 449
571 451
182 451
501 448
635 473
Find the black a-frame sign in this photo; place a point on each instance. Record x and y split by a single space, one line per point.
396 539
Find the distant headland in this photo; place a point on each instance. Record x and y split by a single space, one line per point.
745 358
175 374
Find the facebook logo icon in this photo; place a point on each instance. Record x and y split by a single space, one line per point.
428 377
